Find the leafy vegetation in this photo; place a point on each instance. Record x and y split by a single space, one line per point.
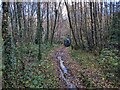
37 74
115 31
106 66
110 64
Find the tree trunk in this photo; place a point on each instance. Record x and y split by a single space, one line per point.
25 25
47 34
39 30
19 9
81 26
86 27
95 24
53 31
13 54
16 32
68 13
7 49
101 36
92 31
75 20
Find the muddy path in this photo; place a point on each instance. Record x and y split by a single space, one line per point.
66 69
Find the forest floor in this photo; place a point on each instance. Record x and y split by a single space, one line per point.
40 73
61 67
83 68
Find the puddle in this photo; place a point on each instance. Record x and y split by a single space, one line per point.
64 69
64 73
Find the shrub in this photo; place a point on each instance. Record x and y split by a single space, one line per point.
110 63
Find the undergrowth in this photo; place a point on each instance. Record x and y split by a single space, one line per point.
37 73
106 67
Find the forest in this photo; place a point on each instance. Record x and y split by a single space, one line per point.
33 53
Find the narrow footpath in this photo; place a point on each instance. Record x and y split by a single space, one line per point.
66 75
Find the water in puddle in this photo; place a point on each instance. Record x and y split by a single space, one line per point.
63 71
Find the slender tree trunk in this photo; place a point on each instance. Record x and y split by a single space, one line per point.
95 24
81 26
39 30
25 24
16 32
12 17
101 37
7 49
32 23
75 19
28 24
47 34
19 9
68 13
86 27
107 26
56 15
92 31
51 20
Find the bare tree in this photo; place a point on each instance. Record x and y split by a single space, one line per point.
92 30
55 21
7 49
47 34
72 30
81 25
39 30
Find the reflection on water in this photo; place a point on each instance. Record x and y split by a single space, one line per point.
63 72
